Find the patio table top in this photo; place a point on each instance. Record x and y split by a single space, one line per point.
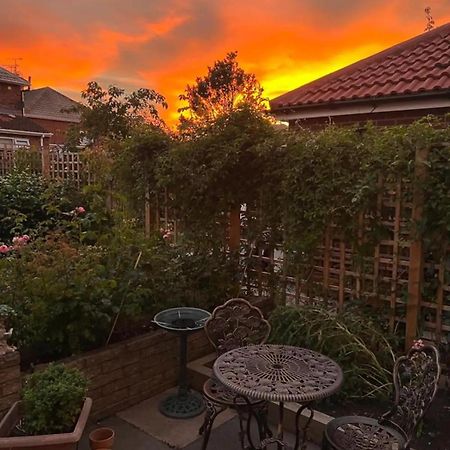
278 373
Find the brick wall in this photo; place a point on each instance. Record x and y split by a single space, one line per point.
121 374
11 96
59 129
128 372
10 380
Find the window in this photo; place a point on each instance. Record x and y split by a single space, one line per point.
6 142
22 142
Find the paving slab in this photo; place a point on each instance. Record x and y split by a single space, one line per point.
177 433
143 427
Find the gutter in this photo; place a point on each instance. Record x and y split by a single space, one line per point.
444 93
53 119
26 133
363 106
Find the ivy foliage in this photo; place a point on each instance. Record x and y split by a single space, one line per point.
216 172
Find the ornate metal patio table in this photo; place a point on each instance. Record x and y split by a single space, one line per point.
282 374
185 403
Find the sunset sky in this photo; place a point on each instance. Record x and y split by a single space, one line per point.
165 44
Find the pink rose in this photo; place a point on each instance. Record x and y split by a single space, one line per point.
20 241
79 210
4 249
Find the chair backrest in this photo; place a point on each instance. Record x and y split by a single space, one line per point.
416 378
235 324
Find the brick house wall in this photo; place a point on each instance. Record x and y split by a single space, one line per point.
35 141
11 96
57 127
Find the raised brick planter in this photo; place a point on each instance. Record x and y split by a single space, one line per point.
10 380
123 374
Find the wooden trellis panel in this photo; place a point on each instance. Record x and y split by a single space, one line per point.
413 292
63 165
12 157
55 163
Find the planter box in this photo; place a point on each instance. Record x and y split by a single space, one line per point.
62 441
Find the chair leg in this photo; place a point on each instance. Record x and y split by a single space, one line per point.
212 411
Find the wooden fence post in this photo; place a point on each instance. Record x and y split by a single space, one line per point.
147 214
415 277
45 151
234 240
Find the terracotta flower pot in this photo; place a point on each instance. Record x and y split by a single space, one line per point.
101 439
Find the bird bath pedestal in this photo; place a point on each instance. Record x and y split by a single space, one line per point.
185 403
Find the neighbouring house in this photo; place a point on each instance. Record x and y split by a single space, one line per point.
397 85
32 117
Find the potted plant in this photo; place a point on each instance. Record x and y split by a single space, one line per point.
52 414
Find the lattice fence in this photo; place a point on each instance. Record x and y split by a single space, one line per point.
397 274
55 163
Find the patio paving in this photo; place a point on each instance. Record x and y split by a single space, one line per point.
142 427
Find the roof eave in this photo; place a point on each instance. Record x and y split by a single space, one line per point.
53 118
338 103
365 106
15 82
25 132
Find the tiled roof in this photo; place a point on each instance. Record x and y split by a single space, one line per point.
20 123
419 65
46 103
8 77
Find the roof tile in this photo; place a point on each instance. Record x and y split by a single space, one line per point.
11 78
421 64
46 103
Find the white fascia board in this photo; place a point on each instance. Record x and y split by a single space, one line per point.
363 108
54 119
25 133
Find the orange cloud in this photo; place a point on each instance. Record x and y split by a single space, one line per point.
166 44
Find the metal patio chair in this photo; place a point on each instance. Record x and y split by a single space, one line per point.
234 324
416 378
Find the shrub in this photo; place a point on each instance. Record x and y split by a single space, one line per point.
67 295
353 338
29 203
52 400
61 294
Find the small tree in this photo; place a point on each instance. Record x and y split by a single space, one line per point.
225 89
111 113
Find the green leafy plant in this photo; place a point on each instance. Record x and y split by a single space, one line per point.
67 295
33 205
353 338
52 400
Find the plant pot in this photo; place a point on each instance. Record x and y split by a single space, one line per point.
101 439
61 441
